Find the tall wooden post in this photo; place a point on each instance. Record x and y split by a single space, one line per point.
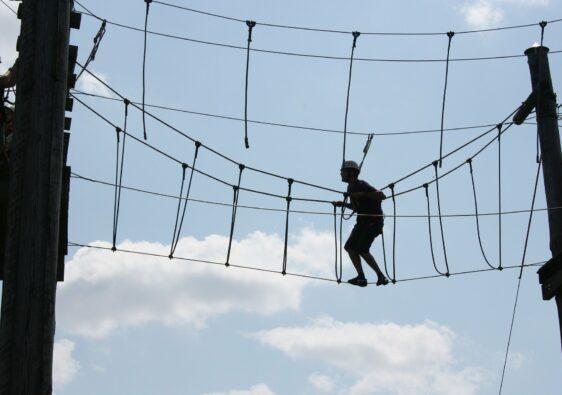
27 325
550 275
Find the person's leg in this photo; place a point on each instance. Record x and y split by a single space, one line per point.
373 263
356 260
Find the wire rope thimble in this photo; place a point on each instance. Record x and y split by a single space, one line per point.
356 35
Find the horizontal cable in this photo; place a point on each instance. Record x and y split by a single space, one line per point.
261 208
208 148
324 30
285 125
305 55
306 276
208 175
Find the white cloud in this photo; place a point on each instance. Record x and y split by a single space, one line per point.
65 366
105 291
9 31
260 389
381 358
322 382
90 84
481 14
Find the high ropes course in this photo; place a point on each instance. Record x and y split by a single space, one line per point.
491 135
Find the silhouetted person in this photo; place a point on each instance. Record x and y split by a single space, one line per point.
366 202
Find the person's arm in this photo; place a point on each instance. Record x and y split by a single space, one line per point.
339 203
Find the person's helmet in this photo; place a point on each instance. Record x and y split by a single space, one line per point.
350 165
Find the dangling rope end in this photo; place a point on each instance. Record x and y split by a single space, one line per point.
246 143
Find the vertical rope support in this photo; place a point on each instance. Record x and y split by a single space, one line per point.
435 164
426 188
342 215
337 273
384 255
499 127
476 215
236 193
355 36
450 37
144 66
391 186
176 236
119 174
183 168
520 274
251 25
288 198
366 149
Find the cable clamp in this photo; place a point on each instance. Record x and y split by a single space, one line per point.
543 24
241 166
355 36
197 144
435 163
251 25
235 187
126 101
290 181
391 186
450 34
288 199
184 165
499 126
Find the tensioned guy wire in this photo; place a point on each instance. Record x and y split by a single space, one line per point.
520 275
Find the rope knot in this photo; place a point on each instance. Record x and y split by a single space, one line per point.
499 126
355 36
184 165
391 186
288 199
450 34
543 24
435 163
197 144
235 187
241 166
290 181
148 1
126 101
469 161
251 25
425 186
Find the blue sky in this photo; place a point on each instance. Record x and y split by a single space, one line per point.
132 324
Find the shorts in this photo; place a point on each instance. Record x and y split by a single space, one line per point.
362 236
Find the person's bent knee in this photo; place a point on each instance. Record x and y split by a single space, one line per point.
365 254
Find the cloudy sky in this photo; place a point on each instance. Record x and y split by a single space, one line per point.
137 324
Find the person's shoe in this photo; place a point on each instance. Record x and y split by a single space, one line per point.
382 281
359 281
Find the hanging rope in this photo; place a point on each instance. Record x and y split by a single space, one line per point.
355 36
391 186
288 199
144 66
450 37
119 161
339 273
183 167
520 275
476 215
236 193
366 149
440 217
250 25
499 127
177 228
97 40
426 188
384 255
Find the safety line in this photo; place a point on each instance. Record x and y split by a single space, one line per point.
308 55
326 30
438 195
143 66
292 126
355 36
290 274
520 276
450 36
250 25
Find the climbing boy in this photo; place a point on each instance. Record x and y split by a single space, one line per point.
366 202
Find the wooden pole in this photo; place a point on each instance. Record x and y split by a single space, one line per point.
550 275
27 324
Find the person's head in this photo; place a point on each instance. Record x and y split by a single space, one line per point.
349 171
